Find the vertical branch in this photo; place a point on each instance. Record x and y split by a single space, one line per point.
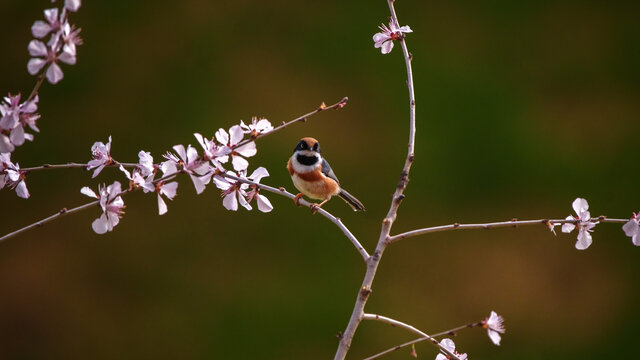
374 260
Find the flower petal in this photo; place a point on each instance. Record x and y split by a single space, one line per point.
386 47
264 204
631 228
90 193
580 205
40 29
568 227
21 190
247 150
54 73
584 240
236 134
162 206
99 225
239 163
35 65
37 48
169 190
229 202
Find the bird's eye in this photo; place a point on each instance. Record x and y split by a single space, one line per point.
316 147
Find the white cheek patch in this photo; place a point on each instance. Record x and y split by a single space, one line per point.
301 168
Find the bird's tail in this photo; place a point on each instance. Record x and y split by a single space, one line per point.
355 204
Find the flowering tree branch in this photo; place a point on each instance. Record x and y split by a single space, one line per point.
61 213
411 328
550 223
373 261
336 220
450 332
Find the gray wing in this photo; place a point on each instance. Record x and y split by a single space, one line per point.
326 170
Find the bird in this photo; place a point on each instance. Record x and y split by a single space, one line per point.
313 177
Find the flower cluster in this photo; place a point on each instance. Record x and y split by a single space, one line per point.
584 224
224 147
61 46
16 116
384 39
11 176
111 203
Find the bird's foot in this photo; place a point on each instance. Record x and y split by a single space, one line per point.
314 208
296 199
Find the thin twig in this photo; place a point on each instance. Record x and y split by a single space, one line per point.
60 213
340 104
36 87
336 220
510 223
387 222
71 165
64 211
413 329
450 332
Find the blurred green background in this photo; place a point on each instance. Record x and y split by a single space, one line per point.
522 107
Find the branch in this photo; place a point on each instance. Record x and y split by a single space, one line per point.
450 332
64 211
36 87
60 213
336 220
339 105
387 222
512 223
397 323
71 165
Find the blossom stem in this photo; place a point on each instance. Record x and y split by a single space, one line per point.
449 332
36 87
387 222
510 223
413 329
62 212
336 220
340 104
72 165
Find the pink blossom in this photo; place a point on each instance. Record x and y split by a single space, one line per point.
15 117
72 5
70 38
384 40
136 178
112 206
212 151
451 346
101 153
232 193
189 162
41 28
264 204
494 327
49 55
256 127
632 229
145 163
169 190
12 177
584 223
231 140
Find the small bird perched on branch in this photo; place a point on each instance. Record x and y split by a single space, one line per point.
312 176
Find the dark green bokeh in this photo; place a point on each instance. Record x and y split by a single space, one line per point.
522 107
